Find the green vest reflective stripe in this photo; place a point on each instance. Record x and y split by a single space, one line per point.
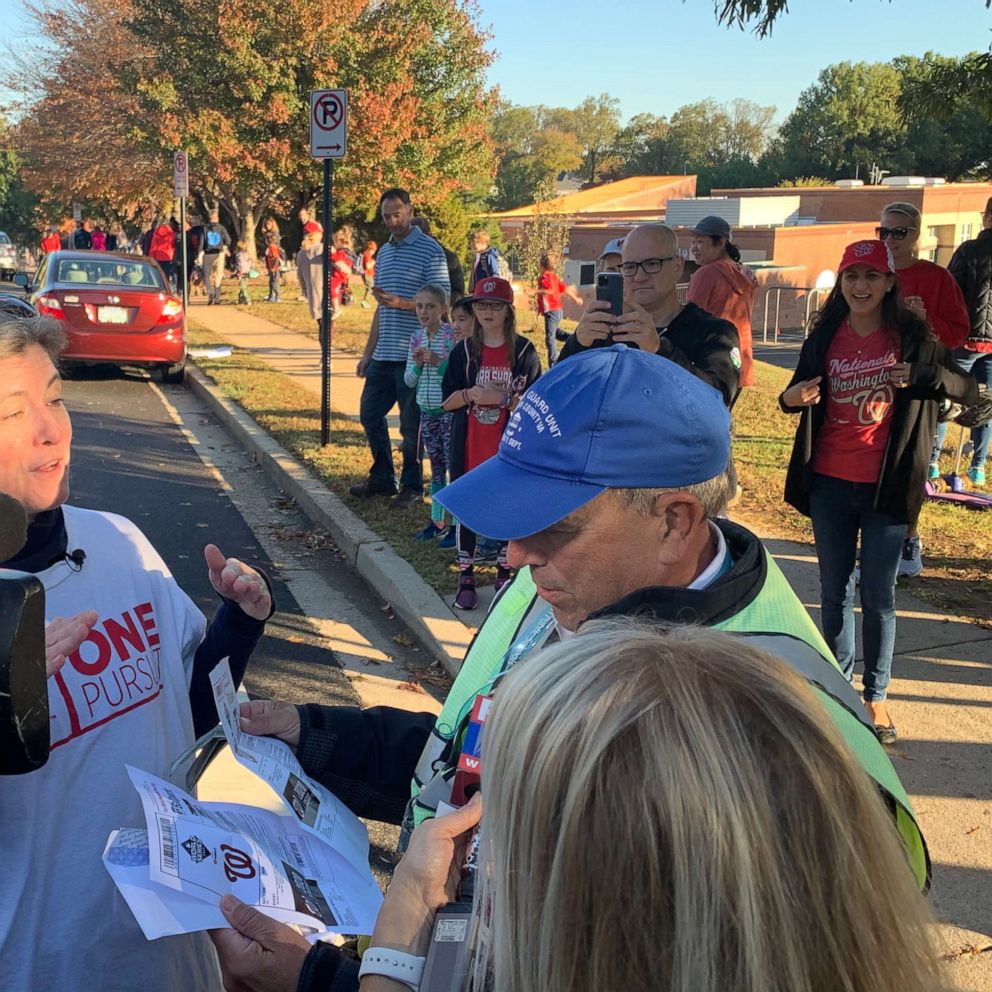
774 618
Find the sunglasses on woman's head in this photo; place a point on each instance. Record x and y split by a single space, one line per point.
892 232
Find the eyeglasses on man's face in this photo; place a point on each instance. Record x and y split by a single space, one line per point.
651 266
893 232
489 305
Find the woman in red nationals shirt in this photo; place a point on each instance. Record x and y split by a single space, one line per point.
868 384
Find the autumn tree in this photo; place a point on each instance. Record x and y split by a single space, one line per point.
848 119
532 152
230 83
970 78
75 117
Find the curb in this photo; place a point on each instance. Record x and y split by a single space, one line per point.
430 619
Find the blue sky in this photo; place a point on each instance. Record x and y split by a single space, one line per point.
655 55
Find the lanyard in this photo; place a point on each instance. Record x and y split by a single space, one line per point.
537 632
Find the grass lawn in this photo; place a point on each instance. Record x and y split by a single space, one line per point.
957 542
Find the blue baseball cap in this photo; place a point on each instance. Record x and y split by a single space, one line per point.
607 418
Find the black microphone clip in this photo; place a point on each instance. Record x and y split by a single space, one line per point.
76 559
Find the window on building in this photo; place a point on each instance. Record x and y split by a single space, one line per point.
966 232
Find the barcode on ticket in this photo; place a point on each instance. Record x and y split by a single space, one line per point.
167 830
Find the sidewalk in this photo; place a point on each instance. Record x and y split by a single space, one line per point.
941 691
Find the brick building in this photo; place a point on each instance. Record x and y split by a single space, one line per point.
793 238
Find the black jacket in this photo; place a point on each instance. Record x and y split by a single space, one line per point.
708 346
971 266
900 488
463 367
368 757
455 275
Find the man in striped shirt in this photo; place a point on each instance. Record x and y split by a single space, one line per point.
406 263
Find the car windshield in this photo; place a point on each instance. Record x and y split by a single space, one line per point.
5 239
140 275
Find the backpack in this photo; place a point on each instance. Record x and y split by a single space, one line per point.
162 246
275 261
498 265
213 238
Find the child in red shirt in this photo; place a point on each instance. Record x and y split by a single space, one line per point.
368 270
275 260
486 375
550 289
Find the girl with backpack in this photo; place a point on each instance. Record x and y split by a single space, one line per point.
275 262
427 361
242 269
868 385
341 268
486 375
162 247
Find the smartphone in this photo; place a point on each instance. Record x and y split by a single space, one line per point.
609 287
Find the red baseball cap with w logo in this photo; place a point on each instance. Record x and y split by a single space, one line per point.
492 288
874 254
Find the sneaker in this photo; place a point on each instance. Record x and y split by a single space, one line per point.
977 476
911 562
448 541
486 550
934 474
365 304
428 533
886 735
503 576
408 497
467 599
371 488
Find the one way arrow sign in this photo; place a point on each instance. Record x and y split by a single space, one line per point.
328 123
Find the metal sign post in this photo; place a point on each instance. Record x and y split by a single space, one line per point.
328 141
180 183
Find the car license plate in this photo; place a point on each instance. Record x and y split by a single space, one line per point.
112 315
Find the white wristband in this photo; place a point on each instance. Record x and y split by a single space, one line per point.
405 968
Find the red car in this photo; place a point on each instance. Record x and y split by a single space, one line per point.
117 309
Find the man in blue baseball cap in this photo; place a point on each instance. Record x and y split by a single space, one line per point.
609 484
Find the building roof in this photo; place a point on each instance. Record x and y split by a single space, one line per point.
634 193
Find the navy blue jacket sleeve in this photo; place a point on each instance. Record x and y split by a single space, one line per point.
328 969
232 634
365 757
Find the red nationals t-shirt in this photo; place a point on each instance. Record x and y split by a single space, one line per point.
555 287
486 423
855 430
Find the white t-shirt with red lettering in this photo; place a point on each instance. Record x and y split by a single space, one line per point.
858 418
123 697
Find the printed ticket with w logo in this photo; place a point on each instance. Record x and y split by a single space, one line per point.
308 867
194 852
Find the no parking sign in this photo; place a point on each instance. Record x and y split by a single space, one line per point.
328 123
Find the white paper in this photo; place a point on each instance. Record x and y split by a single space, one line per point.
318 810
195 852
309 869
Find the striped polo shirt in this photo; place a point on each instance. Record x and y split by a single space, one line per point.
404 268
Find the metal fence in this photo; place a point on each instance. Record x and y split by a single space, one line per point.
811 304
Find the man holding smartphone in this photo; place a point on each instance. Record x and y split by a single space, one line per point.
654 320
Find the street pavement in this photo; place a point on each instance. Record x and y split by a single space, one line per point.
941 690
156 456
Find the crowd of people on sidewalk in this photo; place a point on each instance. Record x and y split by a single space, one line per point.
646 683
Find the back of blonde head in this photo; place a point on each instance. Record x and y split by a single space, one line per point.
673 811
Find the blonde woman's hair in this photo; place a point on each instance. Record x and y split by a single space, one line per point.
907 209
673 810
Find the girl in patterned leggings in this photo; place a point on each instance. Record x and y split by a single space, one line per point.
426 363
